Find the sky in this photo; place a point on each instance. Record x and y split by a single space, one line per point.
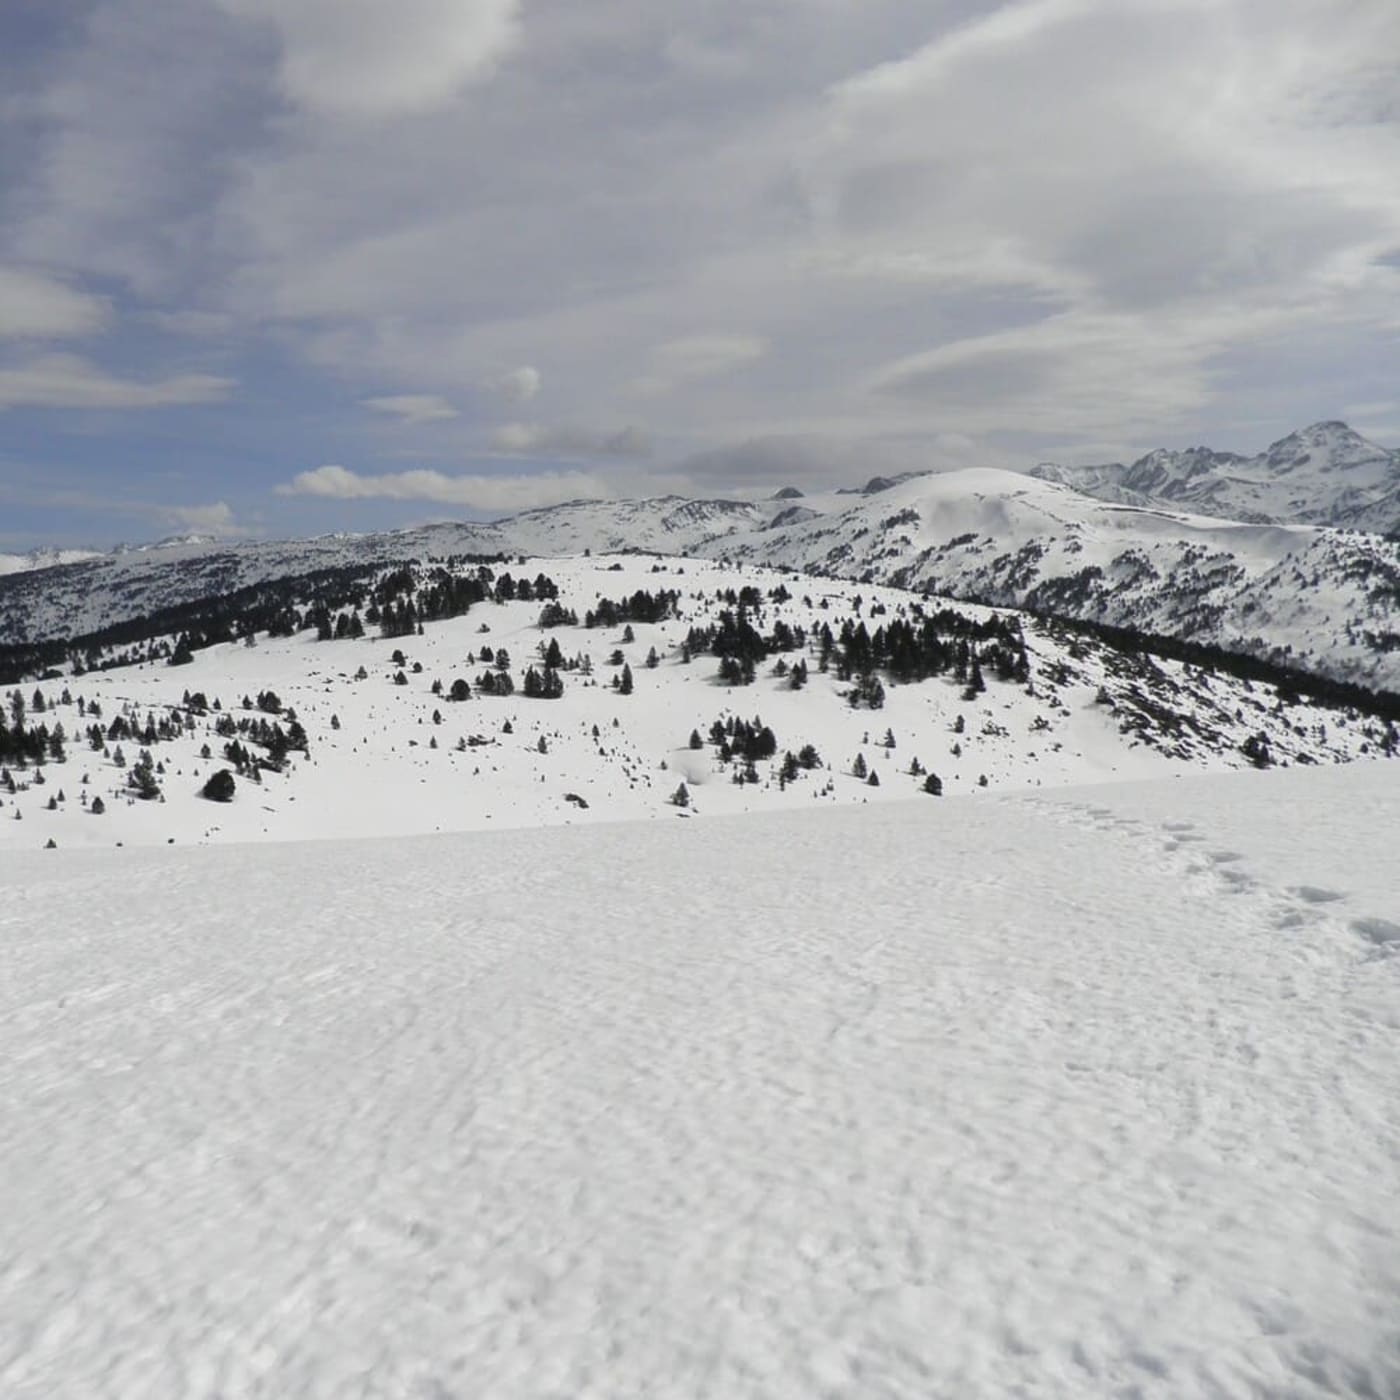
275 267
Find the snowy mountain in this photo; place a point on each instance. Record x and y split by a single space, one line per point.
760 979
1319 599
751 689
43 559
1323 475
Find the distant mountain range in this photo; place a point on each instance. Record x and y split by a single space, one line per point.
43 559
1085 543
1323 475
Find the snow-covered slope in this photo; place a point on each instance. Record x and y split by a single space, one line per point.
379 762
43 559
1321 600
1325 474
1081 1095
112 588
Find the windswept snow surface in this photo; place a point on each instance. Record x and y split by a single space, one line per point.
1074 1094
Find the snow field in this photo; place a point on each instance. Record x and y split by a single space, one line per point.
1065 1094
378 775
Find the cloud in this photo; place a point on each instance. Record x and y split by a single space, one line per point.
214 519
877 230
516 385
485 493
413 409
818 461
533 439
192 322
676 363
699 356
69 381
368 59
37 305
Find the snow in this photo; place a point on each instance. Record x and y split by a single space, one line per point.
42 559
378 774
1077 1093
1324 474
1318 599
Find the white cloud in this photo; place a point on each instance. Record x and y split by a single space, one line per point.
517 385
372 59
214 519
413 409
69 381
38 305
486 493
1029 224
536 439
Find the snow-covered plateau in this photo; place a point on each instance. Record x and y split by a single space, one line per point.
1077 1093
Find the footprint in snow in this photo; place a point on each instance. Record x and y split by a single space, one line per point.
1384 933
1313 894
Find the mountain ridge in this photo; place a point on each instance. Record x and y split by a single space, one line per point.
1315 598
1324 474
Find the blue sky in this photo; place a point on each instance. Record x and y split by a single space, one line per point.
284 266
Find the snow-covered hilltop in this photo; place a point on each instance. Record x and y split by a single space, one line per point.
1325 474
596 689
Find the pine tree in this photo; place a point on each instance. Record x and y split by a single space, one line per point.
624 685
142 778
858 768
220 787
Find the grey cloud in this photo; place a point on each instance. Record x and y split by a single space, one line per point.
69 381
34 304
537 440
412 409
840 225
518 385
366 58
